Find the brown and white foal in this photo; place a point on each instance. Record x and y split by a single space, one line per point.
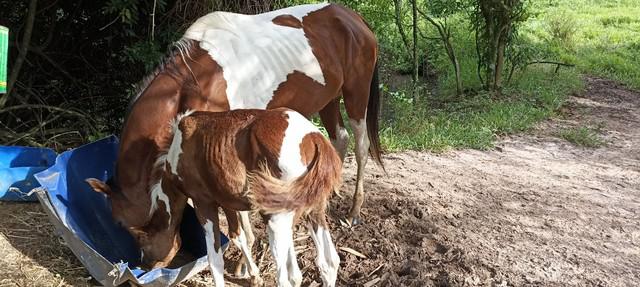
275 162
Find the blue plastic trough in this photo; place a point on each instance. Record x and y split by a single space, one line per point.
17 166
83 218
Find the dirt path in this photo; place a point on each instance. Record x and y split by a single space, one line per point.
536 211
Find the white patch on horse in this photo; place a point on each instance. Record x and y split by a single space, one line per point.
290 159
216 262
327 258
280 231
175 150
362 139
341 141
158 194
255 54
190 202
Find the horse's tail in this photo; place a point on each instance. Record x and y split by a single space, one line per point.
373 109
324 176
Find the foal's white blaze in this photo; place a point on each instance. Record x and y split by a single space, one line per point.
290 160
280 231
327 260
158 194
216 262
255 54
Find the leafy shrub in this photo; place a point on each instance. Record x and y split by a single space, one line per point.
562 27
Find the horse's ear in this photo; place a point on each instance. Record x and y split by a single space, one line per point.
99 186
138 234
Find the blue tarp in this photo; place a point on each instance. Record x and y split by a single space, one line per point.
83 218
17 166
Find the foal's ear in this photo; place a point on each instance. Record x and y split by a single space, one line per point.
99 186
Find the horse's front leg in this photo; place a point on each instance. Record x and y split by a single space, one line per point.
239 239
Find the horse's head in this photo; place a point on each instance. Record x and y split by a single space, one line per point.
155 230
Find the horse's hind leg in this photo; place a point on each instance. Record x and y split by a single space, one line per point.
332 121
245 224
280 231
356 96
210 222
239 239
327 258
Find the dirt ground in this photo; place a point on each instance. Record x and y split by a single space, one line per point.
535 211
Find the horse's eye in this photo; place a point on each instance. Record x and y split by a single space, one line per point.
119 223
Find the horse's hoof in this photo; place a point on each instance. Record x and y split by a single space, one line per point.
356 221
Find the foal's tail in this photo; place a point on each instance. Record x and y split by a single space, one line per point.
324 176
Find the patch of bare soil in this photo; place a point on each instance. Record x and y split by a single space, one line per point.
536 211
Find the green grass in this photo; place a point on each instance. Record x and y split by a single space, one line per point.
582 136
604 38
477 121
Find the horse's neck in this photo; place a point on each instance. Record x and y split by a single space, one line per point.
146 130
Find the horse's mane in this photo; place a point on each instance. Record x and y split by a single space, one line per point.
182 48
160 163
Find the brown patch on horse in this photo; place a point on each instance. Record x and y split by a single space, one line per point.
266 140
271 195
208 90
294 93
288 21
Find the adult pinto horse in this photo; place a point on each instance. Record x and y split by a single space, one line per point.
301 57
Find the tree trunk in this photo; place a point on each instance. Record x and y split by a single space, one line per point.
398 18
445 36
456 67
415 41
497 82
22 54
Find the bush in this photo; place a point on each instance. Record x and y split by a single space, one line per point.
562 27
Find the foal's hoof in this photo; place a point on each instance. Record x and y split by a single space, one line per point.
257 281
241 271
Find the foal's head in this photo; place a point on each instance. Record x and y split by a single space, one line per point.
157 235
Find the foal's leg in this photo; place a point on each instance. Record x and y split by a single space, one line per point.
211 224
280 230
245 224
295 275
332 121
328 260
239 239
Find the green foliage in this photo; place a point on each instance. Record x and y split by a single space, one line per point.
582 136
475 122
562 27
603 40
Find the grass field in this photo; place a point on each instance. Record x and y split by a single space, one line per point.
600 38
